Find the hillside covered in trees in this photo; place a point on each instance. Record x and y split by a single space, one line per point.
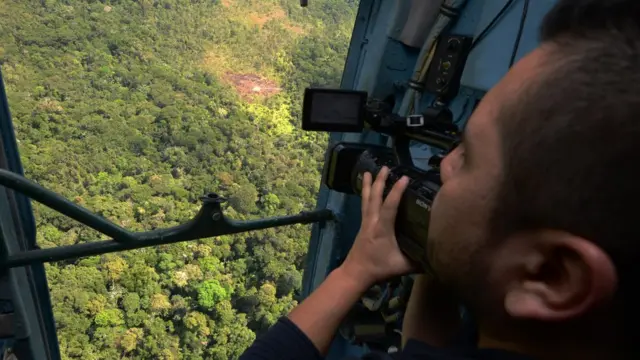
136 108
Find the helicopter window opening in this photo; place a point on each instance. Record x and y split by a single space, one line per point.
136 110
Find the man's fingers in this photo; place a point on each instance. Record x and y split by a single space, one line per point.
375 202
391 203
366 191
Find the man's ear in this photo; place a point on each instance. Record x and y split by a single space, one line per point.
560 276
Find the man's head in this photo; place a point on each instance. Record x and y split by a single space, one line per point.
535 222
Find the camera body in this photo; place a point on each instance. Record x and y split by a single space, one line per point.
352 111
347 164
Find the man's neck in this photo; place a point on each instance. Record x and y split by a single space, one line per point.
486 342
540 351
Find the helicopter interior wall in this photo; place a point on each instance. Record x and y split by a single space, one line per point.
418 20
489 61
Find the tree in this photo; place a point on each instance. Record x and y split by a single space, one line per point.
131 302
197 322
289 282
243 198
130 339
109 317
271 203
114 268
160 303
211 292
210 265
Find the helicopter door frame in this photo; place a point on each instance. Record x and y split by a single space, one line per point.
25 289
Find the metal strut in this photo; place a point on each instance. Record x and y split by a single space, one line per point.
209 222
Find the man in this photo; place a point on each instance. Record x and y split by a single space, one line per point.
534 229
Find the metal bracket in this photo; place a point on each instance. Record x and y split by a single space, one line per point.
412 122
209 222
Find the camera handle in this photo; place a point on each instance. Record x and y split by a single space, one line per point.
434 127
402 150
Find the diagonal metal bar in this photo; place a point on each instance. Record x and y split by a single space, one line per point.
56 202
209 222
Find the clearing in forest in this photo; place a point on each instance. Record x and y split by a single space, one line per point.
244 78
249 69
251 86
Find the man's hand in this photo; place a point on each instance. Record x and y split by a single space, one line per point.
375 255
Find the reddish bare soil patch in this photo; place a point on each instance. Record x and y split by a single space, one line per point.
252 86
226 3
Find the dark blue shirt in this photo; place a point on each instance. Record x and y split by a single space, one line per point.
284 341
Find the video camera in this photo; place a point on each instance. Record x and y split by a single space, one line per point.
353 111
374 319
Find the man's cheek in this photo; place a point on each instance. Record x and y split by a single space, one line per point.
441 228
444 205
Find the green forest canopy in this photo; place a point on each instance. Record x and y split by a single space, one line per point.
134 109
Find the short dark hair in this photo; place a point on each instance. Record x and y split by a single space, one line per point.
571 143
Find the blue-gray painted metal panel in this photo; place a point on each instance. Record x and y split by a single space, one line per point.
489 61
